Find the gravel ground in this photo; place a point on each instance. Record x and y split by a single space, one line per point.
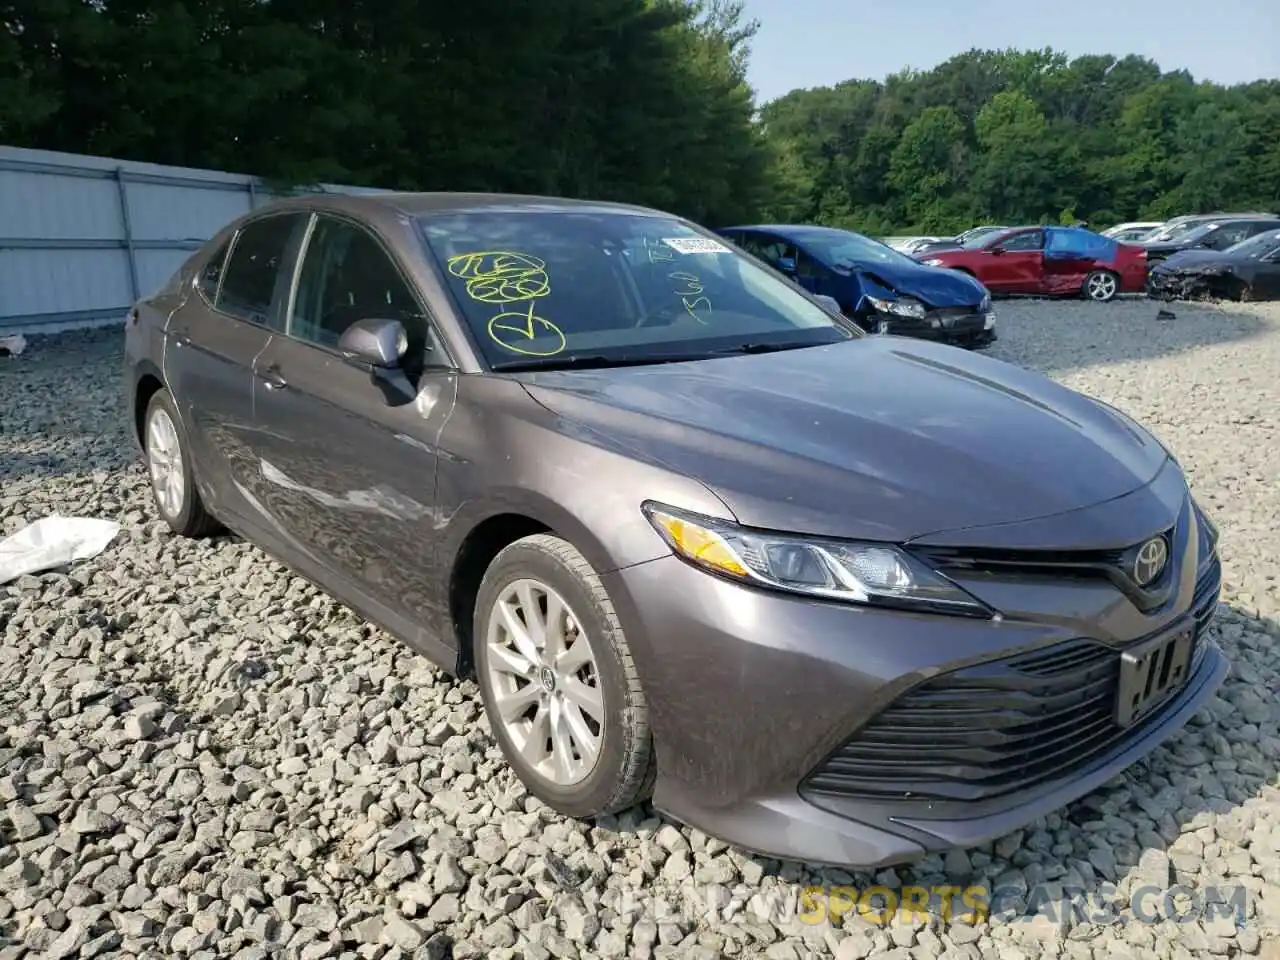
202 755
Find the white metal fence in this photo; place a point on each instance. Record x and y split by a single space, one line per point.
82 237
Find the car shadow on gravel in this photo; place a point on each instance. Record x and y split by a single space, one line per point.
1182 817
1123 331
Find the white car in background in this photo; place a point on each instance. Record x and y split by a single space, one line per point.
1132 232
910 245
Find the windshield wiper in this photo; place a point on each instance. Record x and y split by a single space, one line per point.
772 347
580 361
589 360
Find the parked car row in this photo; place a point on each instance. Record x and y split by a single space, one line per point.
1048 261
1248 270
831 597
1225 262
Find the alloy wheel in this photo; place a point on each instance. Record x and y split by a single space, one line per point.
164 457
1102 286
545 681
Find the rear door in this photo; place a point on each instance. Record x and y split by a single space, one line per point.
1071 254
347 469
211 342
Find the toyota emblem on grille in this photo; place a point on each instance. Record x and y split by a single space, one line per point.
1150 561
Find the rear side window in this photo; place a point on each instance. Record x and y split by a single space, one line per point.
250 275
1074 244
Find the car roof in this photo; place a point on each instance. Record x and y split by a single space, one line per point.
419 204
788 230
1243 218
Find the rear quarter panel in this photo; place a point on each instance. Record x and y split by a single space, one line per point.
144 337
1131 265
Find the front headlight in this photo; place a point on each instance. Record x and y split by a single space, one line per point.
934 262
903 307
985 305
877 574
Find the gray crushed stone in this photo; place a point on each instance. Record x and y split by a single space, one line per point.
204 756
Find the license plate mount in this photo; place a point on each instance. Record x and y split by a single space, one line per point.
1151 672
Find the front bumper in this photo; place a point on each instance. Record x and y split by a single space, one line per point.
960 325
751 694
1164 284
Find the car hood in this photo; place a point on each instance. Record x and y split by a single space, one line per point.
933 248
937 288
879 438
1195 259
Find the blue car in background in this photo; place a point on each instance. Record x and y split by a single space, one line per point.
881 289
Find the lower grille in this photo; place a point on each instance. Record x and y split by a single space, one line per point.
999 727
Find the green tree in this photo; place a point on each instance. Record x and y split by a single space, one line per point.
927 166
1032 135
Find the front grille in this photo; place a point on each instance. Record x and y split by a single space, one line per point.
998 727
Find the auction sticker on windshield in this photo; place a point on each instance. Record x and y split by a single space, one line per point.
695 245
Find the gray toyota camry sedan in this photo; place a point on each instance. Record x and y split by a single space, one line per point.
829 596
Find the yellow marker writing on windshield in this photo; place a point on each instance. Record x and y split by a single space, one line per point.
690 296
513 328
505 278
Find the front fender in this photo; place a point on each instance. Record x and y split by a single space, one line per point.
502 452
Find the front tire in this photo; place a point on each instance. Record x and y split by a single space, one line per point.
1101 286
173 486
560 689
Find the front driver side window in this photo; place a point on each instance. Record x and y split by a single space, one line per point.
347 276
806 266
1031 240
1225 237
768 249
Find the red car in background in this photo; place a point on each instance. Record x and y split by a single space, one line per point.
1050 261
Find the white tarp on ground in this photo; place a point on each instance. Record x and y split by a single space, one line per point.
53 542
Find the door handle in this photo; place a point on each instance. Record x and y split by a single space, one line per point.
273 379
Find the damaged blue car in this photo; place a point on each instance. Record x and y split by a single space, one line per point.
881 289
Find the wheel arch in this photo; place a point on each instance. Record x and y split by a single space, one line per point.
149 382
483 535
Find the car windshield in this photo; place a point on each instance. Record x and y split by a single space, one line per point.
1181 232
844 248
568 288
1257 246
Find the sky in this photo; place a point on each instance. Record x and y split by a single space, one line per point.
812 43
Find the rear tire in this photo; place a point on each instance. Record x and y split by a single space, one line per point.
558 682
169 469
1101 286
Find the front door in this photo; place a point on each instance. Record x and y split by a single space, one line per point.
1266 279
212 341
348 471
1019 267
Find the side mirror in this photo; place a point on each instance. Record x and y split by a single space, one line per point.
786 265
997 251
378 343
